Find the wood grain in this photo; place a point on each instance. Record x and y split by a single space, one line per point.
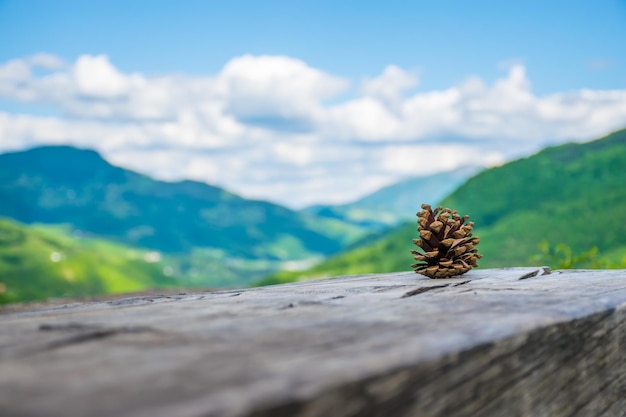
501 342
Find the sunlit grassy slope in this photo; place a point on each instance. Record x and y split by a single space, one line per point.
39 262
573 194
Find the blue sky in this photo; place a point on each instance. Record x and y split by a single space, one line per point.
565 44
295 83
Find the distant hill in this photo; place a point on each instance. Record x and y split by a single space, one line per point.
396 203
60 184
38 262
573 194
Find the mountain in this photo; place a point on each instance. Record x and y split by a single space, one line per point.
573 194
60 184
206 231
393 204
38 262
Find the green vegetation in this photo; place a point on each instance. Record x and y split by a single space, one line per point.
39 262
561 256
43 261
573 193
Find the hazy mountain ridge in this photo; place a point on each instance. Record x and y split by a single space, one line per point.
573 194
395 203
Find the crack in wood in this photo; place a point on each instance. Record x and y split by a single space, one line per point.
149 299
88 333
537 272
91 327
68 327
301 303
81 338
422 290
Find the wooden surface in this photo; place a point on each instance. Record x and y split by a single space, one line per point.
505 342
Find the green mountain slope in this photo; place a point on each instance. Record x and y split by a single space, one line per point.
212 236
573 194
395 203
38 262
59 184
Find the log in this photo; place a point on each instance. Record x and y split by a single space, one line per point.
500 342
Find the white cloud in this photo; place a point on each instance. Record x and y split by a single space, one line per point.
13 74
363 119
15 71
275 92
46 61
403 158
273 127
390 85
96 77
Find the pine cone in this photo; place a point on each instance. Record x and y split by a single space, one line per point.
447 242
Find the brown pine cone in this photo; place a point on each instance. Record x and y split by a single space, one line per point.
447 243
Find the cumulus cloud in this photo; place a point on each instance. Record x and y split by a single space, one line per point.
96 77
275 87
389 86
273 127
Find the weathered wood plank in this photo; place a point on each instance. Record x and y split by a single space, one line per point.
514 342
